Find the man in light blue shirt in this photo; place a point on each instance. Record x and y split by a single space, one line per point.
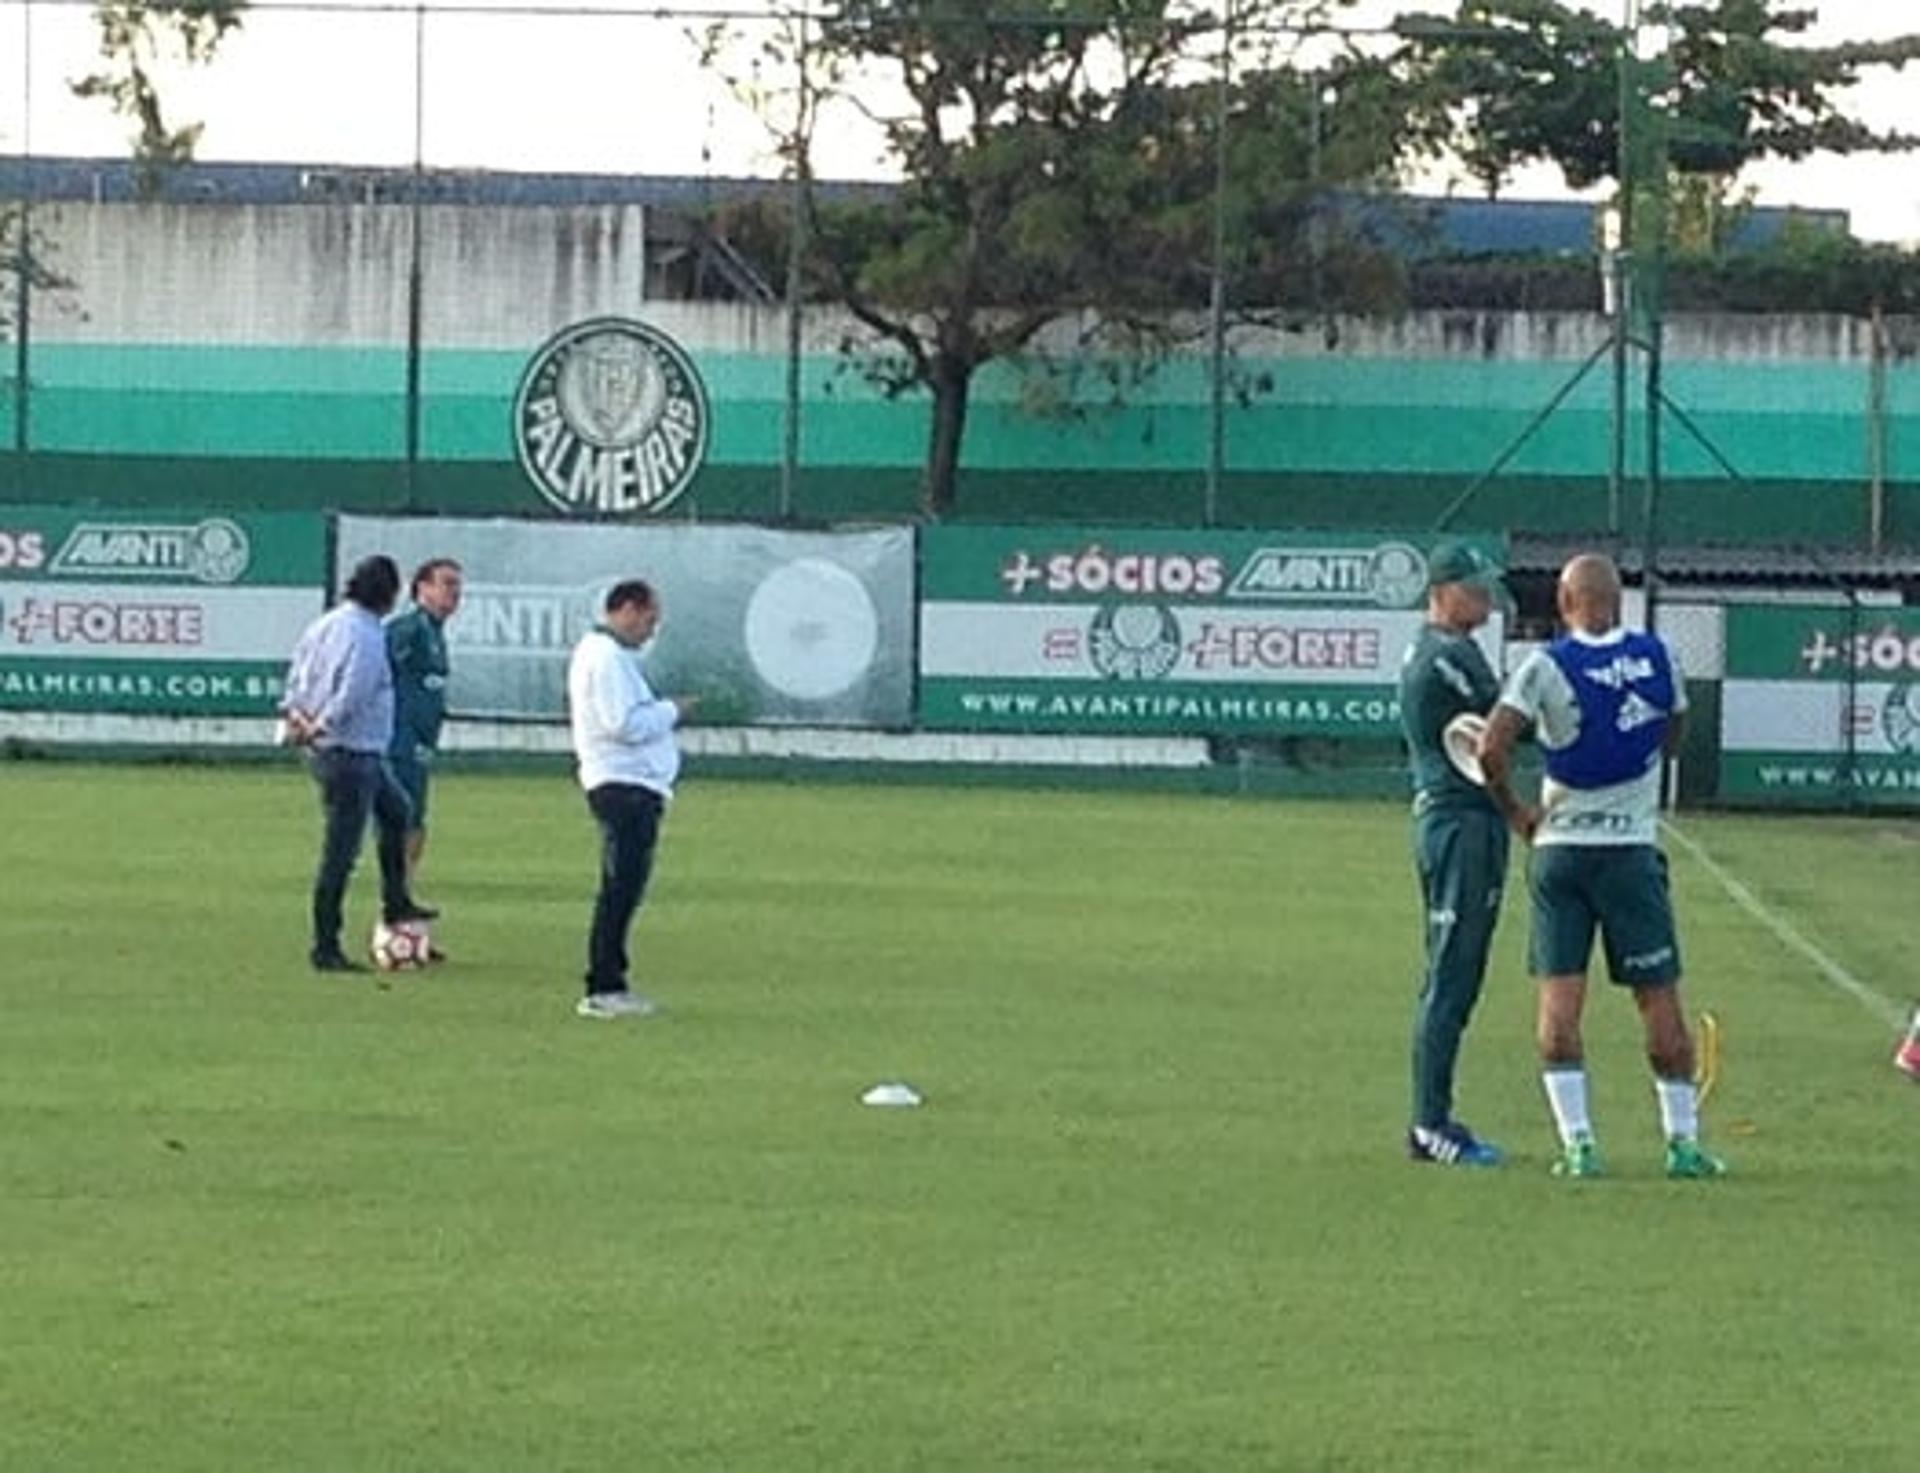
339 705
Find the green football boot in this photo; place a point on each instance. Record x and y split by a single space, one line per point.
1686 1161
1579 1158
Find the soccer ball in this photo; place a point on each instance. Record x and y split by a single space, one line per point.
402 946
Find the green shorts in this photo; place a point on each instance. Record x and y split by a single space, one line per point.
1620 889
411 774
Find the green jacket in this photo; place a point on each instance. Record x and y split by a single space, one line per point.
1444 674
417 650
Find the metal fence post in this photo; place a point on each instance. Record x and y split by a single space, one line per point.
22 272
415 281
796 260
1217 294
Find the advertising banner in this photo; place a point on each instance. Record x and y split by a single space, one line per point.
1821 702
153 613
768 627
1170 632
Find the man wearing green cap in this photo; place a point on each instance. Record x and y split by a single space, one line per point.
1459 841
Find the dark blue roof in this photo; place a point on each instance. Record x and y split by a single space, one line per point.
1418 224
117 180
1480 227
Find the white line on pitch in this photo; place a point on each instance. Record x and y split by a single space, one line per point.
1874 1001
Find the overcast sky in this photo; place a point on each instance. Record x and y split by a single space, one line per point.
627 94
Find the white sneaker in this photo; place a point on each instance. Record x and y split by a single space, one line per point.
611 1005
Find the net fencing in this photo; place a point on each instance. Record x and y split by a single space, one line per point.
382 288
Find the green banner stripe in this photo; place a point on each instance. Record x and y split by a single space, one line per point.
1356 570
170 688
1366 415
1142 708
163 548
1799 777
1827 644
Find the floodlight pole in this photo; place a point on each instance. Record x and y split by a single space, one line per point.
1643 166
1314 238
1217 291
1635 260
1877 433
1650 558
1617 459
415 276
1619 227
1616 283
796 256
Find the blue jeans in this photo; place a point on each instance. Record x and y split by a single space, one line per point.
354 785
629 819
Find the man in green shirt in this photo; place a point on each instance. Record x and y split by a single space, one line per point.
417 650
1459 841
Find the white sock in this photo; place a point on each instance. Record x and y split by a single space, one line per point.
1679 1108
1567 1094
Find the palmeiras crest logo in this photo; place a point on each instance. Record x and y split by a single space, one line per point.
1900 719
1134 641
611 419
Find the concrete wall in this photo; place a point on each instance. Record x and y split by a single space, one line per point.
498 277
333 275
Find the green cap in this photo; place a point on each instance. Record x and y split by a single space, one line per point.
1462 562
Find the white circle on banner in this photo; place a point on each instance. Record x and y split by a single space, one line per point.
811 629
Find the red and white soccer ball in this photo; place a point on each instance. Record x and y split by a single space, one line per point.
402 946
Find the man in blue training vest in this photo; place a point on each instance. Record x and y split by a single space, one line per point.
1606 705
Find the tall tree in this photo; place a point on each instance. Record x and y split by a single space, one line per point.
1024 140
136 38
1059 158
1538 80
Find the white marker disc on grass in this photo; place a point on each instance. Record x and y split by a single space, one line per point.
894 1093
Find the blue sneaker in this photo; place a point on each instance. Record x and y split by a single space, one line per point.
1451 1144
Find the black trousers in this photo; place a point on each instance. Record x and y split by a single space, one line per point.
629 819
354 785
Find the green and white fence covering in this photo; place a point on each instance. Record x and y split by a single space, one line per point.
1058 629
1821 705
153 613
770 627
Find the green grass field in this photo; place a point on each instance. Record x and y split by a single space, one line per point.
1154 1214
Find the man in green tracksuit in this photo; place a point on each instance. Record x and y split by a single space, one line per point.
417 651
1459 842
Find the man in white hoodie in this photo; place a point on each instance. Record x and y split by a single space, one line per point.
629 759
